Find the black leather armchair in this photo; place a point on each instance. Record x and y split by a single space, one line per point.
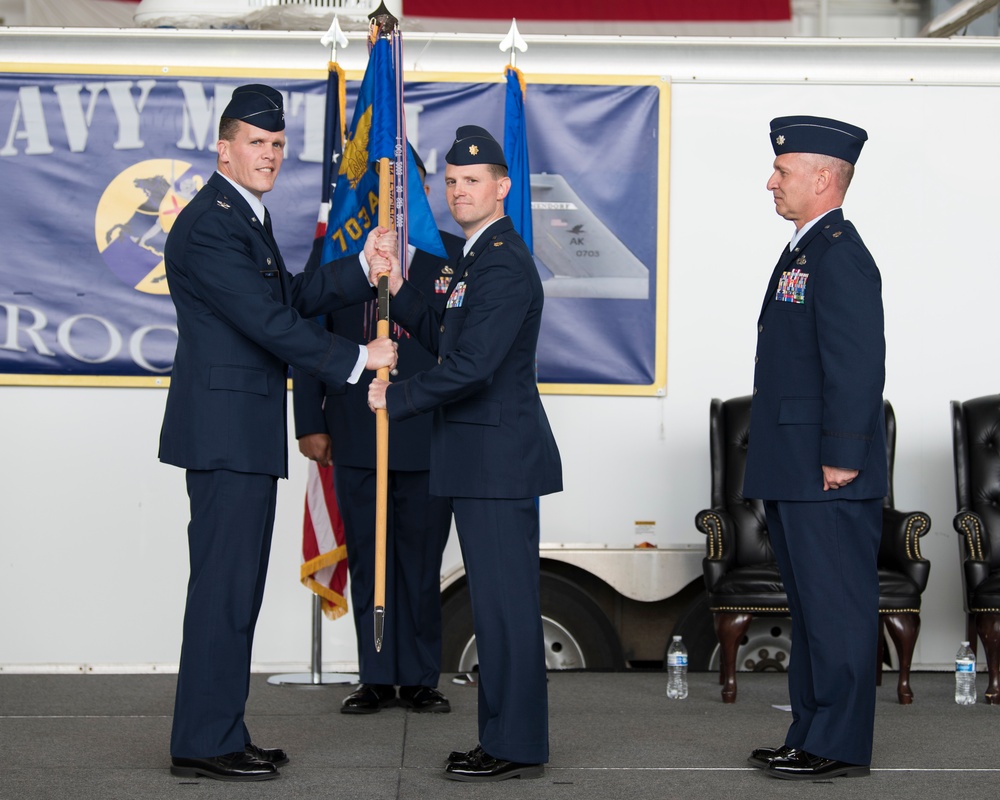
976 437
741 575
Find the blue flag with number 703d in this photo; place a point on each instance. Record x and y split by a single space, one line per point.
354 206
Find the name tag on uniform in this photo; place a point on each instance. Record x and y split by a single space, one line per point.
269 273
792 287
457 297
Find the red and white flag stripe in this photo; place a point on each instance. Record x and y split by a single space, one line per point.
324 554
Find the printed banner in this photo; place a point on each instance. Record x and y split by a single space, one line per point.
98 166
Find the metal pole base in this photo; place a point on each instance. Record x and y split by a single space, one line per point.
303 679
316 677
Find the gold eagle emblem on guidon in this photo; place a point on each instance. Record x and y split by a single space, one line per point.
354 163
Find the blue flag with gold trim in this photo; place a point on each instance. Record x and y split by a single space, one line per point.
354 207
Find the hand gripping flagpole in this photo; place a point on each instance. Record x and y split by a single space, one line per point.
382 24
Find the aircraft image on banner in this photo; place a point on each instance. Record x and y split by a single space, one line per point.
575 252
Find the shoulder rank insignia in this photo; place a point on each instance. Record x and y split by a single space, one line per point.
497 244
835 234
792 287
222 204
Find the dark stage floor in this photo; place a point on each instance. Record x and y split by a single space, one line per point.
613 736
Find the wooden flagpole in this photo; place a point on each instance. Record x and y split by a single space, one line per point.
382 24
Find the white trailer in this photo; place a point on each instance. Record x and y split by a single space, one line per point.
97 576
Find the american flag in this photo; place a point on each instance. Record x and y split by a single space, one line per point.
324 554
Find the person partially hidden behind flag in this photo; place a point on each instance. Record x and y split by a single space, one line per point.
333 425
492 451
241 319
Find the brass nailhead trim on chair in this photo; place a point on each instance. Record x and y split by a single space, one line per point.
915 528
714 523
778 609
973 536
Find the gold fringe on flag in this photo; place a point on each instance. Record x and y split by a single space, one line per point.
334 605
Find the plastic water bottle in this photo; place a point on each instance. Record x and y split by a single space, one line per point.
677 670
965 675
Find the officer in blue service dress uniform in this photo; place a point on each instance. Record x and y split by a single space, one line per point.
333 425
241 320
492 451
817 454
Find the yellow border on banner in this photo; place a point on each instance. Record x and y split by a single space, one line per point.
166 70
659 384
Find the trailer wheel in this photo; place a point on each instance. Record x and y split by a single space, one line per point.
577 634
765 647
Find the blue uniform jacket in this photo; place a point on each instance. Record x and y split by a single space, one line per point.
241 319
341 410
491 438
820 371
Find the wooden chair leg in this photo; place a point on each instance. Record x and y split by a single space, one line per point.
988 627
903 628
730 628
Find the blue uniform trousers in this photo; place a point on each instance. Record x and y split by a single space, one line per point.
827 554
499 539
417 528
229 539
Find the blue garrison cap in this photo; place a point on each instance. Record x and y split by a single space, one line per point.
257 105
474 145
820 135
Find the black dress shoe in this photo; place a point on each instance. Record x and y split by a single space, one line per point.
456 756
268 755
802 766
231 767
482 767
762 755
423 699
369 698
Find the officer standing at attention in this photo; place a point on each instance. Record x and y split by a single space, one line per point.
492 451
817 453
241 319
334 425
